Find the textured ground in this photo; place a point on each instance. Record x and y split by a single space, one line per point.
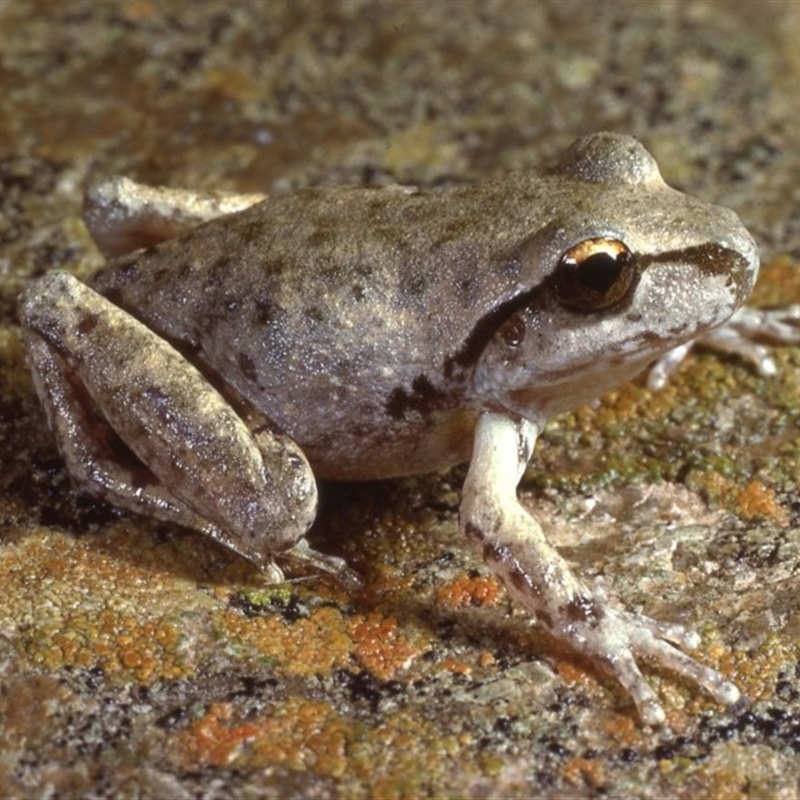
138 660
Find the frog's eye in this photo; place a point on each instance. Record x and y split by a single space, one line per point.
595 275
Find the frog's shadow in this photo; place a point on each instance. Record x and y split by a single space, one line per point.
359 522
351 523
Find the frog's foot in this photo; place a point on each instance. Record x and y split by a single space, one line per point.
744 334
514 548
123 215
613 638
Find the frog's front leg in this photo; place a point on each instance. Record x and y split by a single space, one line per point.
188 457
513 546
123 215
742 335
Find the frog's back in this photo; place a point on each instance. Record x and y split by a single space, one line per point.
362 303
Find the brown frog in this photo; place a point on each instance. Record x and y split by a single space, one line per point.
357 333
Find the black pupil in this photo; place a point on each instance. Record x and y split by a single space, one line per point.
600 271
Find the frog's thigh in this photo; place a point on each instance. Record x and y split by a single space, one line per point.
200 466
123 215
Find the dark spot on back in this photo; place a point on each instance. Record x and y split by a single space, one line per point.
358 291
183 270
264 311
88 323
318 237
415 285
315 314
423 388
222 265
247 366
423 397
251 231
397 404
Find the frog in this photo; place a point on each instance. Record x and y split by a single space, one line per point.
236 349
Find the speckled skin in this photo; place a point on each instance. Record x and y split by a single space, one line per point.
365 333
373 306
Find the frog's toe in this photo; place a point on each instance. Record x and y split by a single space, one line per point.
271 572
750 328
664 367
336 567
627 673
615 639
654 640
673 632
776 325
730 339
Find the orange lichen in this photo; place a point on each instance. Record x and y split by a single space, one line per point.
381 647
146 650
584 771
713 484
299 735
624 728
570 671
138 10
211 742
456 667
309 646
486 659
757 501
398 758
85 609
386 582
466 590
756 671
305 735
404 756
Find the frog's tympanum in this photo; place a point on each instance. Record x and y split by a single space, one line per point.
236 347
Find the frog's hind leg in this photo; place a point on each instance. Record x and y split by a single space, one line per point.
195 463
122 215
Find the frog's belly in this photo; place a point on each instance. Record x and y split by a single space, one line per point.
353 449
354 424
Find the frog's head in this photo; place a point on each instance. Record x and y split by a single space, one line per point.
625 269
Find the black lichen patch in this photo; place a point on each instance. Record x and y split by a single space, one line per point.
268 602
366 689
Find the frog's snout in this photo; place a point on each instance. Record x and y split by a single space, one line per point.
745 263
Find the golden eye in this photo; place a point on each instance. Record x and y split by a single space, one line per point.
595 275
